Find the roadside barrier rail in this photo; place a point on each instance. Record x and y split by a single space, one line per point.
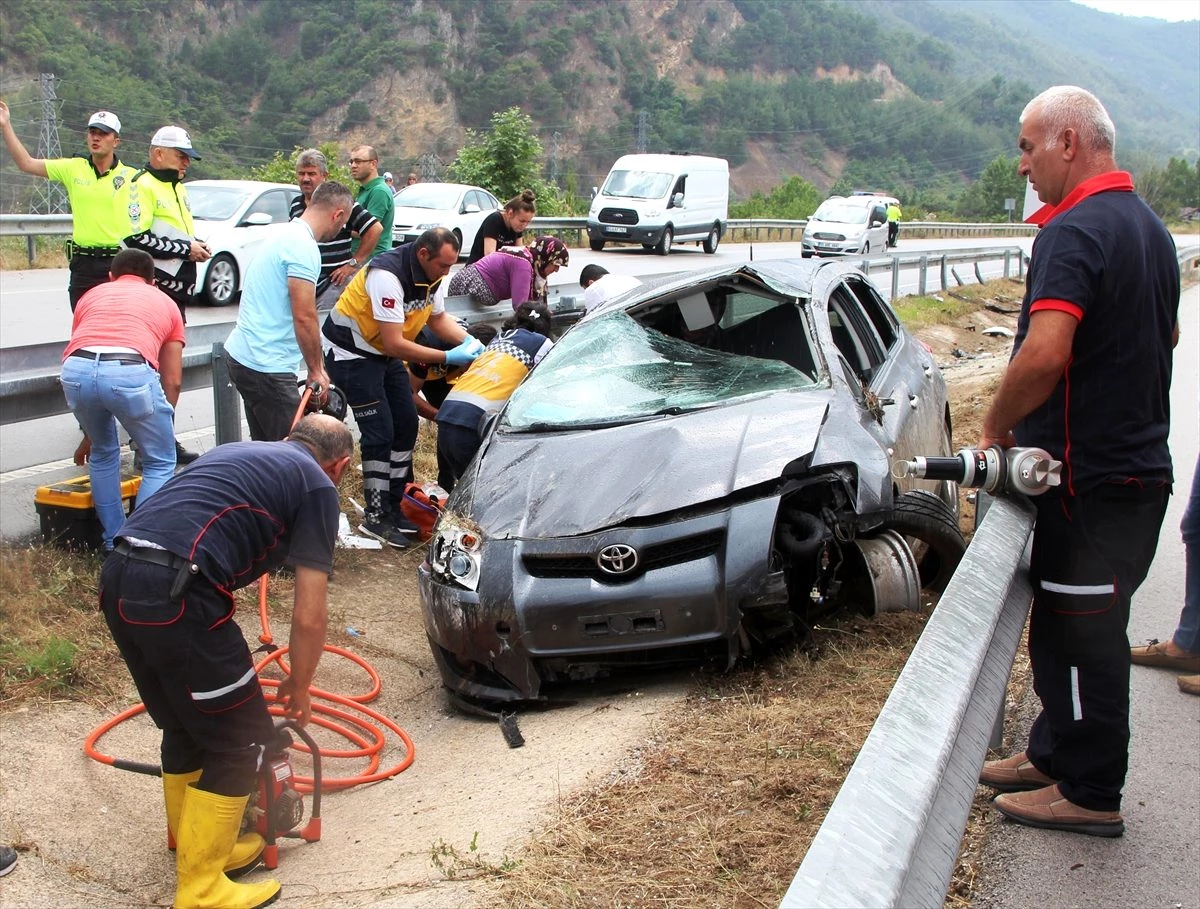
892 836
740 229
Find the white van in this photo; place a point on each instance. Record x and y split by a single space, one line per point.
657 200
847 226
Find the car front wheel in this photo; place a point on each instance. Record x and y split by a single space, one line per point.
711 241
664 244
221 280
596 245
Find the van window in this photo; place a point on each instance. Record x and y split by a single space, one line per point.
637 184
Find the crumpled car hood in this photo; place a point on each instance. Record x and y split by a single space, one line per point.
536 485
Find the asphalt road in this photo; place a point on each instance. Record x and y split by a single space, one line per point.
1157 861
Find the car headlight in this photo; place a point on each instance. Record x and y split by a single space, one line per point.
455 555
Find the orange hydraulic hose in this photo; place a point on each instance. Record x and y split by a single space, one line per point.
346 715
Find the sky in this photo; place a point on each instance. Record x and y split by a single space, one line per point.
1171 10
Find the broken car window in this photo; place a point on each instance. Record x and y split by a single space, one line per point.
613 370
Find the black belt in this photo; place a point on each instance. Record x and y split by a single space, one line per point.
126 359
92 252
185 571
149 554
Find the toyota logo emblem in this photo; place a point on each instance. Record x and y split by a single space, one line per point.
619 558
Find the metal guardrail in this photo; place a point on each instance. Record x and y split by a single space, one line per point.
742 229
892 836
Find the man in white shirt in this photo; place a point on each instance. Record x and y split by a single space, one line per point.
599 285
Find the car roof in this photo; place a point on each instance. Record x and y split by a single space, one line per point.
242 184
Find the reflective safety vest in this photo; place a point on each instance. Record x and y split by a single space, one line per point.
100 218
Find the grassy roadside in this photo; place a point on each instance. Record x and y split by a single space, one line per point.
48 253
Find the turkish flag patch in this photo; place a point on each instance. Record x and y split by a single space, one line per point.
388 302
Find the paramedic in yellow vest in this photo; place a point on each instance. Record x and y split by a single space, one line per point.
366 337
94 184
162 218
893 219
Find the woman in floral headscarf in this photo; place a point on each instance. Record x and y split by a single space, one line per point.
518 273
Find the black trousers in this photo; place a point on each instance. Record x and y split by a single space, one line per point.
193 670
86 272
1090 553
270 400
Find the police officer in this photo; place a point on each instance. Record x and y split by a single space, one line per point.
162 224
166 591
94 184
162 216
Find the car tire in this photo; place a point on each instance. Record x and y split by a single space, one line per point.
596 245
711 241
923 515
221 280
664 243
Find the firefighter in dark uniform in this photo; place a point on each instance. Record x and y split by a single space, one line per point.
242 509
96 184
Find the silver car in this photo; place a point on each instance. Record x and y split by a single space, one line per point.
699 468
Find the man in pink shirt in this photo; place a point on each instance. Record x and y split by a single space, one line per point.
124 363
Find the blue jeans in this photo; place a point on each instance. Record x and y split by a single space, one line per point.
101 392
1187 635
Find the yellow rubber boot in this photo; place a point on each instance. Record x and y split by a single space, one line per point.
245 851
208 828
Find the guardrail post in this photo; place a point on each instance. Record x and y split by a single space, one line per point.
922 275
979 274
226 412
1007 262
957 279
30 247
895 278
945 280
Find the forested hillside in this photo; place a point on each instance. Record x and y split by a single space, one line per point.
918 96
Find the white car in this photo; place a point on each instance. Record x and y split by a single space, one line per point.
847 226
457 206
234 217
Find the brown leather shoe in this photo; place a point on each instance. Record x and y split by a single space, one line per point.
1048 809
1013 774
1155 654
1189 684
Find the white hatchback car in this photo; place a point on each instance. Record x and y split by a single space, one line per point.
234 217
847 226
457 206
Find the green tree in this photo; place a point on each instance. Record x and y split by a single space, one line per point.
984 199
793 200
282 168
506 159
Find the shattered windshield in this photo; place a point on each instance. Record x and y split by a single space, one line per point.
613 370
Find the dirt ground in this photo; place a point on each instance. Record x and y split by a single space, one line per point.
91 835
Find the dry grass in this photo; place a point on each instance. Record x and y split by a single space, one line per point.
55 640
48 253
719 808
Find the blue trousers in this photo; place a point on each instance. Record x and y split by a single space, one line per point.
380 395
1187 635
102 392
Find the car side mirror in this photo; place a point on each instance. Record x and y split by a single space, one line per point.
677 200
257 219
469 209
595 191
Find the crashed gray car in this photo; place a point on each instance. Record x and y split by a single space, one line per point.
699 467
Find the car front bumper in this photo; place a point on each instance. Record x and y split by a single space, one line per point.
545 612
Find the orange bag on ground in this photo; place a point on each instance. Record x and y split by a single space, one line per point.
421 507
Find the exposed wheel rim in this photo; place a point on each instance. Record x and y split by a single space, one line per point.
221 280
